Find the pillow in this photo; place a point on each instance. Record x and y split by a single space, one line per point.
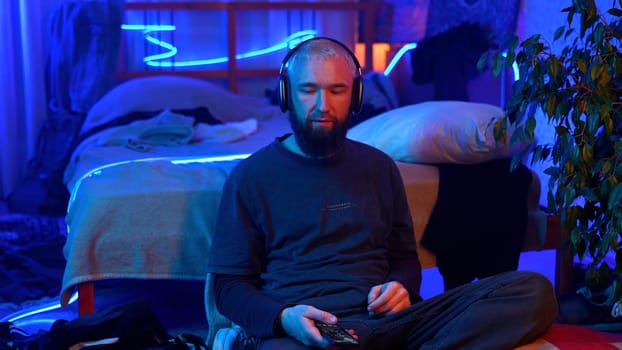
436 132
157 93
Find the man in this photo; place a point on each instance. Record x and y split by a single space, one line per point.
316 227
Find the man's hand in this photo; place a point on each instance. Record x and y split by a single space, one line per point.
298 322
387 298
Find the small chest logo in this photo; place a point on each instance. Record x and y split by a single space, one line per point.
338 206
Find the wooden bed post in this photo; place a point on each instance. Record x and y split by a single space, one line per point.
86 298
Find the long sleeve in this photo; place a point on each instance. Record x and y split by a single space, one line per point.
238 299
406 269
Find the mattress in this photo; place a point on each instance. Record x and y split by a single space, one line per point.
142 215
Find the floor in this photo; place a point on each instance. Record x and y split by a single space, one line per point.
179 304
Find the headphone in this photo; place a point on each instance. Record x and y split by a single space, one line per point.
357 85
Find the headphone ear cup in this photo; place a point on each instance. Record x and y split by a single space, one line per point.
283 88
357 95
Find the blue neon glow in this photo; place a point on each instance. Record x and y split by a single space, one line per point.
178 160
211 159
514 67
149 27
158 59
401 52
36 310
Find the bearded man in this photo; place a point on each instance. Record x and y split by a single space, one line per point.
315 227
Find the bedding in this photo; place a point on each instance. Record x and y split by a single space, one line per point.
438 132
138 212
144 192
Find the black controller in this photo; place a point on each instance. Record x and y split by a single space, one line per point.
336 335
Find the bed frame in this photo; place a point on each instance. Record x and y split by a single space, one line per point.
233 73
555 237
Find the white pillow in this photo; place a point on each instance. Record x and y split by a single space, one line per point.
155 93
436 132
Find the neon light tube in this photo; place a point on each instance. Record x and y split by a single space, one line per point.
180 160
514 67
401 52
211 159
171 50
37 310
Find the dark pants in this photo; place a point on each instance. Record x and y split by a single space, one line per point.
497 313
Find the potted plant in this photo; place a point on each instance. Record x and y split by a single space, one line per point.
579 91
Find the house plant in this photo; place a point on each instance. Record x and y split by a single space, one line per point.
579 91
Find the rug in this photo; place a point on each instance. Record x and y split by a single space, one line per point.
574 337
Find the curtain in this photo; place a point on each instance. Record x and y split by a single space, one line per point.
60 59
23 35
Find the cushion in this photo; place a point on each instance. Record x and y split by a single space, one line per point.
437 132
156 93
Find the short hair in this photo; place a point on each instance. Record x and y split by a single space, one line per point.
323 48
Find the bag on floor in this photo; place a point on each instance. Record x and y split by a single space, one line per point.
128 326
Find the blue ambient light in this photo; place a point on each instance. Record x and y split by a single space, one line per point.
179 160
36 310
171 50
401 52
211 159
514 67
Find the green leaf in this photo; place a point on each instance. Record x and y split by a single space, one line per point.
606 168
593 123
614 197
616 11
598 33
483 61
582 66
589 194
570 16
586 153
559 32
510 58
530 125
554 68
588 16
595 71
551 105
574 155
497 64
570 195
552 171
514 43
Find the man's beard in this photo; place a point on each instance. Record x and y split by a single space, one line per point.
318 142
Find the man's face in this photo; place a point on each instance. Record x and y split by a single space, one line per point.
321 94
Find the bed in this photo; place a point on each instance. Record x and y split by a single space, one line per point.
154 152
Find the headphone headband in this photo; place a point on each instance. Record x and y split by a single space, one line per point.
357 86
